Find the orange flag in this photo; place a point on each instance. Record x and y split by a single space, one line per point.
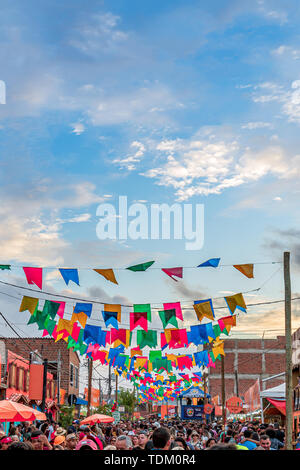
108 274
246 269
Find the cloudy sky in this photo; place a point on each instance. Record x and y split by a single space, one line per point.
164 102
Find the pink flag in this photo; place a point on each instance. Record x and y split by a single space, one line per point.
221 324
75 331
138 319
61 309
177 307
173 272
34 276
210 362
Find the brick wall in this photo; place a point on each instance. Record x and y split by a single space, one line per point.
252 360
48 349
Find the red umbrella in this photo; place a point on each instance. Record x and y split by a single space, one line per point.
12 411
93 419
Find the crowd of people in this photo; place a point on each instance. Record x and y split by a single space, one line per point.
145 435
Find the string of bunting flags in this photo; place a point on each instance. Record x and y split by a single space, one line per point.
34 275
157 375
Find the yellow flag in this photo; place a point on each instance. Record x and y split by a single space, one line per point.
246 269
80 317
108 274
29 303
204 310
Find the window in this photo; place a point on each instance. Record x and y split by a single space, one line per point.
71 374
76 384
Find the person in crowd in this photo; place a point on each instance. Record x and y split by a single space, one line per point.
161 439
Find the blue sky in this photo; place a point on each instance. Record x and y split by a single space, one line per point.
164 102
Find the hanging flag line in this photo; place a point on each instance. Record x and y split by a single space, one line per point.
34 275
73 298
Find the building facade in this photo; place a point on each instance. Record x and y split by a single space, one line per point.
245 361
63 363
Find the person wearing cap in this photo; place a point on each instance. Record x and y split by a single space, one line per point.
86 444
5 442
71 441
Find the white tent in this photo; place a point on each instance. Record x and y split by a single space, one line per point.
275 393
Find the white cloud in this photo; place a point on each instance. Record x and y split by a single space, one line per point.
211 165
78 128
257 125
129 161
80 218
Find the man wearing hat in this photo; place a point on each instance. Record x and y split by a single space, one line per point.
71 441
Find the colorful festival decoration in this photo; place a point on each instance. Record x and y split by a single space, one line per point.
213 263
108 274
34 276
173 272
141 267
246 269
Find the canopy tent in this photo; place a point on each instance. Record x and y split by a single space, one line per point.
276 397
275 393
97 418
11 411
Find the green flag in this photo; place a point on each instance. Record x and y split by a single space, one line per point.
168 316
51 308
142 308
5 266
146 338
141 267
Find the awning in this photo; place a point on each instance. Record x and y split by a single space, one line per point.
279 404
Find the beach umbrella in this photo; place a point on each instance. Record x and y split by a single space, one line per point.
12 411
97 418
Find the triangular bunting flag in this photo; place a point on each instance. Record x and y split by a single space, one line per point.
173 272
141 267
108 274
246 269
213 263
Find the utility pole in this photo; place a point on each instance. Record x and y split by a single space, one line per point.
116 389
58 380
109 383
43 405
236 382
205 395
288 347
90 377
100 392
223 392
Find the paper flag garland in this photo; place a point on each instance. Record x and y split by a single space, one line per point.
138 319
143 308
176 306
113 308
34 276
146 338
236 301
141 267
173 272
29 303
81 317
168 317
204 308
50 308
213 263
83 308
111 318
108 274
246 269
69 275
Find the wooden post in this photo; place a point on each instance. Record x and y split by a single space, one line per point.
205 395
223 391
90 372
43 405
116 389
288 346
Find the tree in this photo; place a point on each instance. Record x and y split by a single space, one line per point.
66 415
104 410
127 399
